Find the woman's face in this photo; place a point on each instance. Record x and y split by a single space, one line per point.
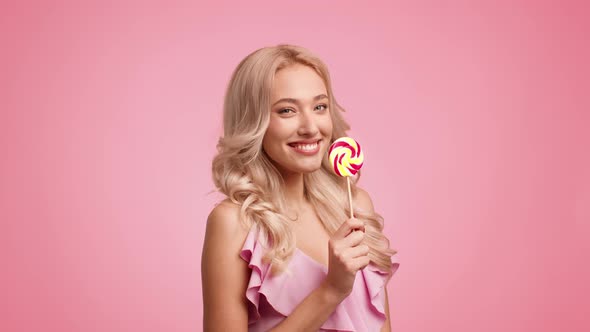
300 125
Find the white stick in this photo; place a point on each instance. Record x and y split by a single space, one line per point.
349 196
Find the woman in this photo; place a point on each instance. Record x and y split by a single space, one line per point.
281 253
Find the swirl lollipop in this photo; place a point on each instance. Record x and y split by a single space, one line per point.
347 159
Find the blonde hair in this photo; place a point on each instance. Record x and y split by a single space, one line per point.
245 174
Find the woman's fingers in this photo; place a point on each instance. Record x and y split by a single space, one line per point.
348 226
355 264
347 236
347 255
355 252
353 239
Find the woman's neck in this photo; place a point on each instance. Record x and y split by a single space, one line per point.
294 191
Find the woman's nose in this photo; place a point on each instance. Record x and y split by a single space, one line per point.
307 124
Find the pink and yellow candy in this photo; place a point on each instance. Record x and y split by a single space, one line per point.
346 156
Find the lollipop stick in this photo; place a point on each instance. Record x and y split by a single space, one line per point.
349 196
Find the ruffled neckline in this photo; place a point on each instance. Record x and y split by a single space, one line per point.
363 310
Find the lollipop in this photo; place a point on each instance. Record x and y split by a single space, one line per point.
346 156
347 159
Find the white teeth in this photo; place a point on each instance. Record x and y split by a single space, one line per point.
306 147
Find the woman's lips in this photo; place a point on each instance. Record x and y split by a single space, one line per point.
308 149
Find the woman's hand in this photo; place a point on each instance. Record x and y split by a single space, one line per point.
346 256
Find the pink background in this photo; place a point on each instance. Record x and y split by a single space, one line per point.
474 118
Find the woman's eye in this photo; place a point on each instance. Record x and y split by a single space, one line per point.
285 111
324 107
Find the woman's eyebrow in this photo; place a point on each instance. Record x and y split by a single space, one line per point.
296 101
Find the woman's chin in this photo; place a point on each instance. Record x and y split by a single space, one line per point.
311 169
304 169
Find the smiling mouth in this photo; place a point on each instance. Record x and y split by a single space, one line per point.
306 147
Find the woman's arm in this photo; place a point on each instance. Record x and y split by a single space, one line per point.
224 274
319 307
387 325
312 312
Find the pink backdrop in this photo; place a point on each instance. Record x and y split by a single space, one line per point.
474 118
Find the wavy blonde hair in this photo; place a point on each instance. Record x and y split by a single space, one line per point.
245 174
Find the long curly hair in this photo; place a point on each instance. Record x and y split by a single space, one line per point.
245 174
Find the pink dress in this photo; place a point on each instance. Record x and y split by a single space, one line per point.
272 298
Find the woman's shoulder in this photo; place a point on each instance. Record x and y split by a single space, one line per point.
223 211
224 227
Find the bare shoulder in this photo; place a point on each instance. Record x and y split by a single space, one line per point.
225 233
224 223
362 200
224 273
